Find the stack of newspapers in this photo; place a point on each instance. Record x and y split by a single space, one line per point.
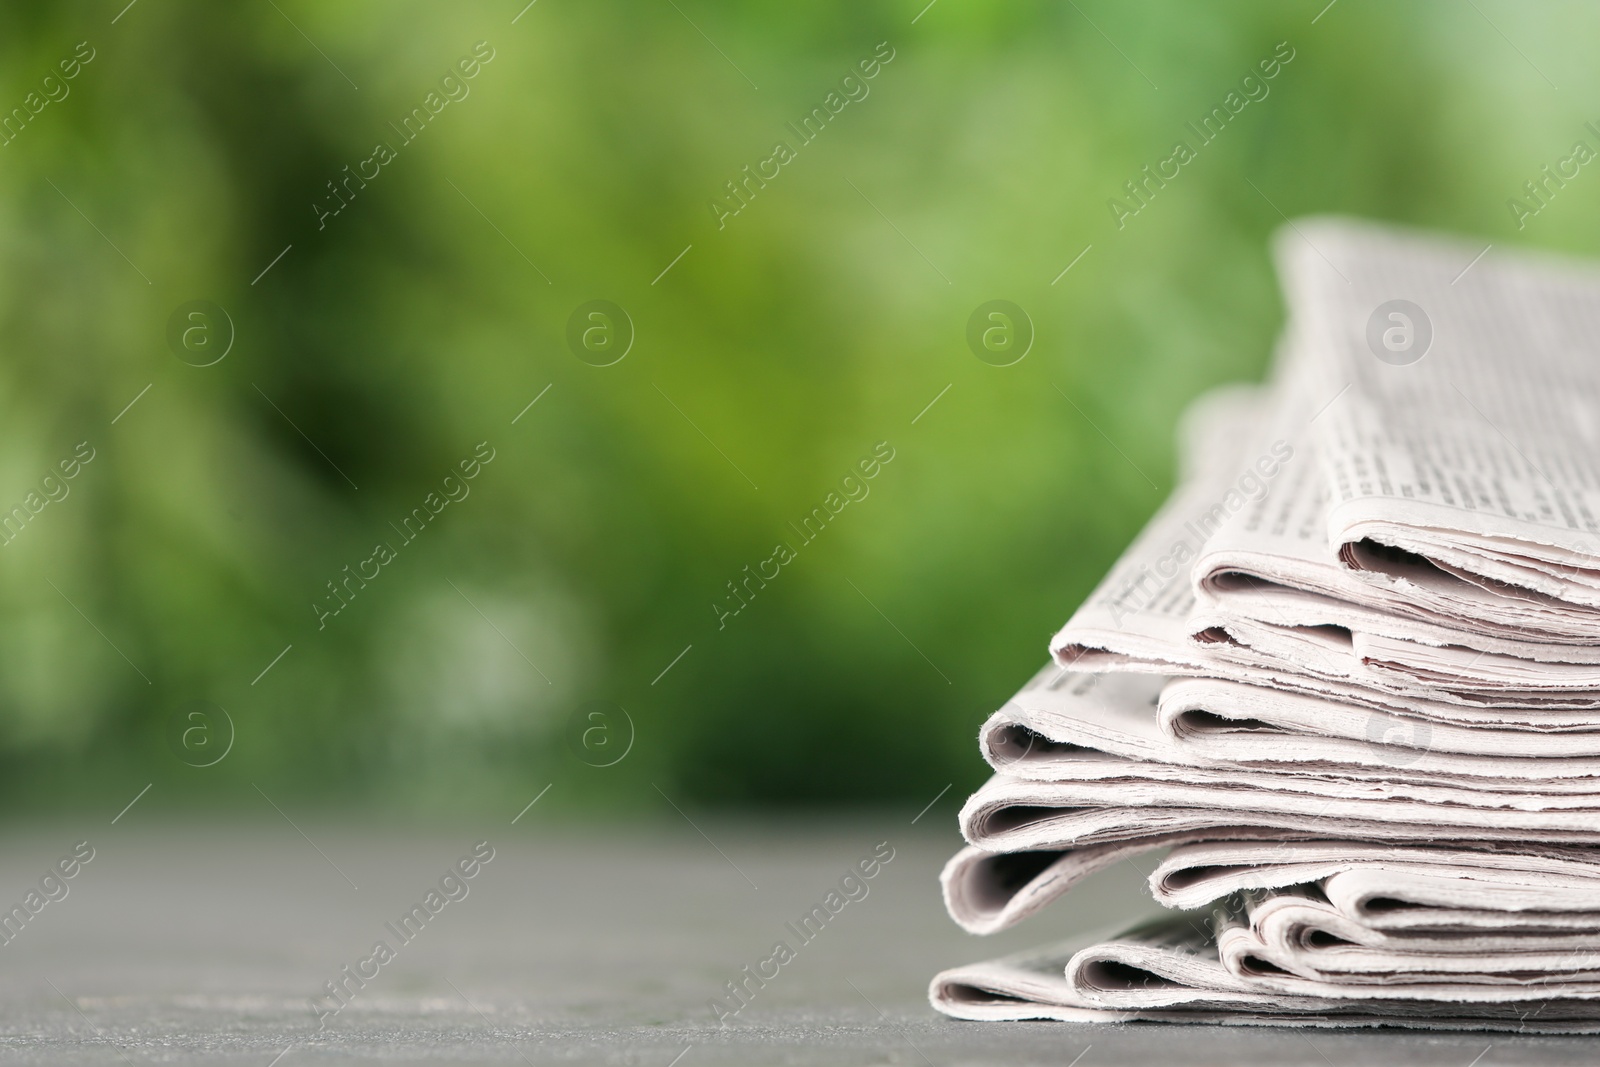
1346 682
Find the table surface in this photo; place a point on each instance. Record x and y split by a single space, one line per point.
205 942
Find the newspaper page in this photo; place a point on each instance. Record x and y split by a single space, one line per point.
1233 579
1172 970
1212 722
1268 586
1463 405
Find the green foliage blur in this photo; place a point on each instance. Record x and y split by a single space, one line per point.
786 343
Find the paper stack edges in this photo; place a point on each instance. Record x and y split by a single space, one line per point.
1348 677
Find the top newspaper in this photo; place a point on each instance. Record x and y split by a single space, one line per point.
1467 428
1408 519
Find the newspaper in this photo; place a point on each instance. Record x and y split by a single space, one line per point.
1102 799
1171 970
1086 776
1467 427
1321 952
1269 588
1424 538
1226 581
1271 562
1209 722
1250 724
1551 886
1299 934
1485 885
1288 583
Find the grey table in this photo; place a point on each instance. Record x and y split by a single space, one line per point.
206 941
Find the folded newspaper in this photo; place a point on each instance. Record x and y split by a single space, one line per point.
1348 678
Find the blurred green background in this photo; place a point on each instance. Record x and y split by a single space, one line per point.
777 352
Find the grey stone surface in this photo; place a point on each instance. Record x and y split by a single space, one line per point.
204 941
